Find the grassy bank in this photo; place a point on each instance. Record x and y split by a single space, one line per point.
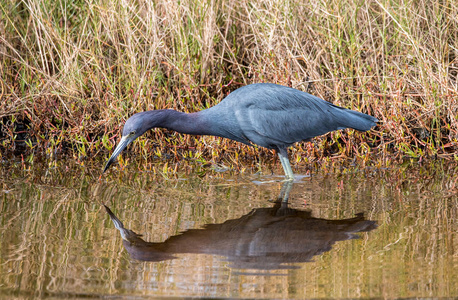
73 71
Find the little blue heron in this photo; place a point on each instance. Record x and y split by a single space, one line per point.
264 114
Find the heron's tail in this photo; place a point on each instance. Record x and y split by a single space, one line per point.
353 119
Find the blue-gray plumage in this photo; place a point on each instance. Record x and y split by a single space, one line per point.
265 114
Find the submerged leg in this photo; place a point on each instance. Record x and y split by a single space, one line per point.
284 192
283 155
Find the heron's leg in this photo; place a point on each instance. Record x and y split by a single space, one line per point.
283 155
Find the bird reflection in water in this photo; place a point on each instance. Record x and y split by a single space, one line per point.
265 238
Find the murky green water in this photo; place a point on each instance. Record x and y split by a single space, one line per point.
357 234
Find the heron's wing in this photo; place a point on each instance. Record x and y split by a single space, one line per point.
276 116
281 119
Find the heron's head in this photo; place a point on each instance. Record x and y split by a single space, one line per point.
135 126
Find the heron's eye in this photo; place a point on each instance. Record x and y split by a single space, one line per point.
132 133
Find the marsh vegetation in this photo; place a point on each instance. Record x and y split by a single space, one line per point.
73 71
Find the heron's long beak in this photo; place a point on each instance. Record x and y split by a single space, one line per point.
125 140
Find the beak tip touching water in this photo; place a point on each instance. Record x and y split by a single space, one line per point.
106 166
110 161
121 146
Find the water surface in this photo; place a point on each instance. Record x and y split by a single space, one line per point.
350 234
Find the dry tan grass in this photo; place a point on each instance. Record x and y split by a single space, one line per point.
76 70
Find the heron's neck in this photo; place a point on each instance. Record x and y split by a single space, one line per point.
192 123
